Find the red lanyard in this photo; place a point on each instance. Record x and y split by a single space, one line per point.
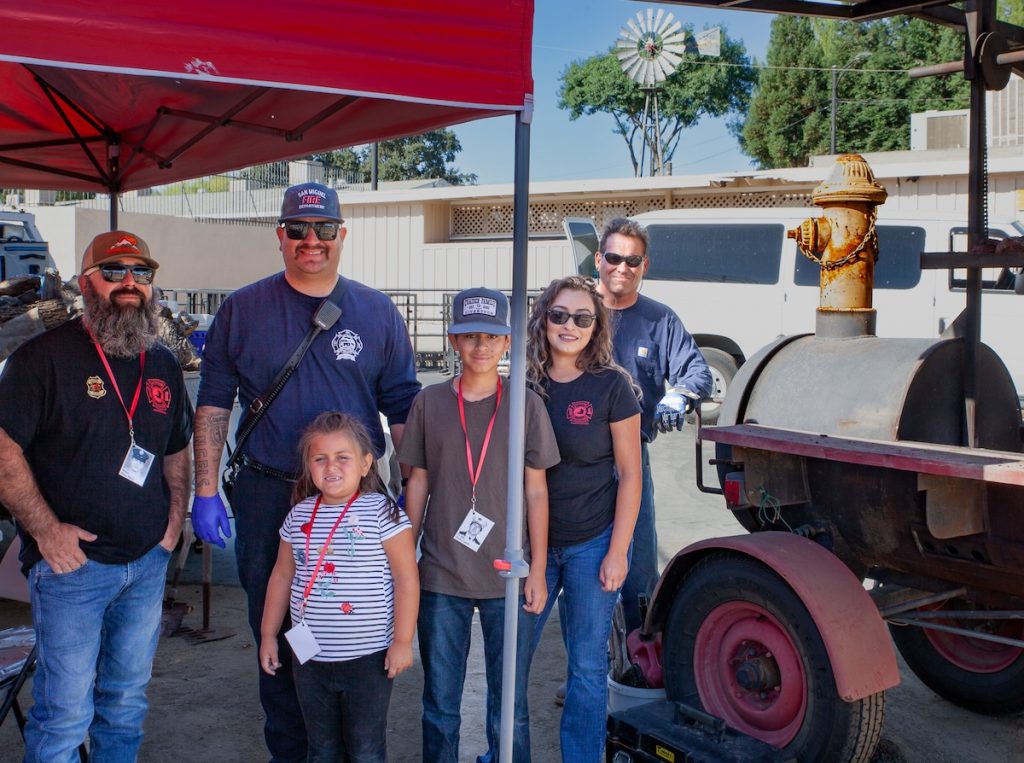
323 548
474 476
130 413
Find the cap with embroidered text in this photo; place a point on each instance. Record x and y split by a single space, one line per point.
310 200
112 246
480 310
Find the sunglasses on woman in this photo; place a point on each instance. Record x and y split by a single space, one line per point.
142 274
613 259
561 317
297 231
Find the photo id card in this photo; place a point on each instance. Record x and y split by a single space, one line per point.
137 463
303 642
473 530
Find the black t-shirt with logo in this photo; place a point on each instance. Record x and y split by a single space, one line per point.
582 488
57 402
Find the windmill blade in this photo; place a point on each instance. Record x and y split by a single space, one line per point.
709 42
672 30
664 67
637 30
628 36
650 21
671 60
662 26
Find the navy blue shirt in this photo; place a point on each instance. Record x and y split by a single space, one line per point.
653 345
364 365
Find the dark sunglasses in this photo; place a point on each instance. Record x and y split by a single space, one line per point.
561 317
142 274
297 231
613 259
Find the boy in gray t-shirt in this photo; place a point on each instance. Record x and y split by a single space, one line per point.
463 526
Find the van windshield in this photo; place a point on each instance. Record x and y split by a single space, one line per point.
723 253
899 260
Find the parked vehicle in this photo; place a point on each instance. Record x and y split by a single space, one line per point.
738 282
23 251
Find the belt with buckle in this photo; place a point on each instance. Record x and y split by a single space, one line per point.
269 471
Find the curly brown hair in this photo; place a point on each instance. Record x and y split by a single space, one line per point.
595 357
334 422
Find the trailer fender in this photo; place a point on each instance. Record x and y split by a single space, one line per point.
858 645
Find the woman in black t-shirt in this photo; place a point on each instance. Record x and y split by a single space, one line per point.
593 493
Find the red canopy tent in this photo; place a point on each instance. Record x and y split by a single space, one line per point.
109 96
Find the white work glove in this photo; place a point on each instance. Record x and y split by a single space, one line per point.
672 409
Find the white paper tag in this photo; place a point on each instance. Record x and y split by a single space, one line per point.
137 462
303 642
473 530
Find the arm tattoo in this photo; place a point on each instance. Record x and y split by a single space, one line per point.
211 431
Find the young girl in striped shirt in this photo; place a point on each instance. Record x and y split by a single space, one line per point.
346 570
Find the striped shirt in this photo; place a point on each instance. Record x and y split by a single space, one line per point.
351 605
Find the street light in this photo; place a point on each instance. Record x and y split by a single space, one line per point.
835 82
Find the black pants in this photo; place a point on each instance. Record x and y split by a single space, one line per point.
345 705
260 504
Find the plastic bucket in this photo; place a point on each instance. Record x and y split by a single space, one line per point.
622 697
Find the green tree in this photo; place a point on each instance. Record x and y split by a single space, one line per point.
428 155
698 87
785 115
789 118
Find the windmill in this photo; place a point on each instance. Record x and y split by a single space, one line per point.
649 51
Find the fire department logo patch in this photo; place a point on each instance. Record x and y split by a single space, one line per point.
158 394
94 387
347 345
580 413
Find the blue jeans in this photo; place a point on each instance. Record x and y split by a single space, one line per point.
643 568
575 571
260 504
96 630
345 705
444 632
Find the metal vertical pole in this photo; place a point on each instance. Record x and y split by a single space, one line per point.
374 165
980 15
516 429
114 171
832 116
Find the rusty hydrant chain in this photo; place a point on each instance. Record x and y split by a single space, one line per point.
870 237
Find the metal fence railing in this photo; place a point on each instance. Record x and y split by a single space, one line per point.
426 312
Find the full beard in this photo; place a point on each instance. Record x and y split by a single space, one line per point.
123 331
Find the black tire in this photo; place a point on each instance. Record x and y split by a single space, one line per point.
734 612
978 675
723 368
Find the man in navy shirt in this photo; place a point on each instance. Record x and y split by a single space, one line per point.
653 345
363 365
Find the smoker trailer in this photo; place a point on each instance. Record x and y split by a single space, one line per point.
840 452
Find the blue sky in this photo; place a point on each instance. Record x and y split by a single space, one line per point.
569 30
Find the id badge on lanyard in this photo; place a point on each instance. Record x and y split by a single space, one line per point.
137 461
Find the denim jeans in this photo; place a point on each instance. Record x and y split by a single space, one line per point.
574 571
96 631
345 706
444 632
643 568
260 504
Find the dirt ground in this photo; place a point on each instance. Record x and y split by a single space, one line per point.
204 704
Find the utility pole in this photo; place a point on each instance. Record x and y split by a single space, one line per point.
832 130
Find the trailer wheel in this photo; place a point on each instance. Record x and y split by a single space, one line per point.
740 645
982 676
723 368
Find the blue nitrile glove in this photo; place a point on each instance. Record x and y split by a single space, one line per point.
210 519
672 409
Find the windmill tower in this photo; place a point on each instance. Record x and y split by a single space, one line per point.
649 51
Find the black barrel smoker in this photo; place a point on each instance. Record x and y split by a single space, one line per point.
841 453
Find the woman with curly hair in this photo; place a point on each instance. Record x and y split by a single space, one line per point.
593 493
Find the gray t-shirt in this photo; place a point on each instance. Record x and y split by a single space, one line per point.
433 440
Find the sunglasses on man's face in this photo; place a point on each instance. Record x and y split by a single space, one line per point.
297 231
613 259
141 274
561 317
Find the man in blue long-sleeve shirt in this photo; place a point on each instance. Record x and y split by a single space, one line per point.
654 346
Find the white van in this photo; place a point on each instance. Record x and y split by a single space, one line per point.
737 281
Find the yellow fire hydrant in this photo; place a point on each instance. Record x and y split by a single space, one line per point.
843 240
